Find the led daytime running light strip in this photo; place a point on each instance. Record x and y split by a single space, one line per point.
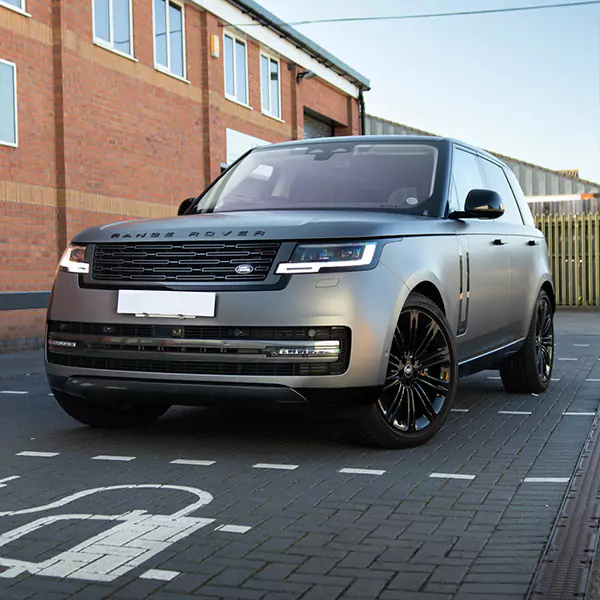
315 267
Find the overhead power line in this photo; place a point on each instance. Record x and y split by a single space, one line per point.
463 13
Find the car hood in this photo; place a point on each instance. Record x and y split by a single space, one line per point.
272 225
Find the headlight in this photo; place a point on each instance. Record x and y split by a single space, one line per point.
311 258
73 260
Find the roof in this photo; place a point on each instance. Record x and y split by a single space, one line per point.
268 19
570 174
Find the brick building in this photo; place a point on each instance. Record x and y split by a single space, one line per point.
119 109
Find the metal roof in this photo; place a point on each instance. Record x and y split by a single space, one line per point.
268 19
570 174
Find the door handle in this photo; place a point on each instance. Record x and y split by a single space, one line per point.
499 242
533 243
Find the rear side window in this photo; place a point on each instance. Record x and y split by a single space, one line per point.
467 175
496 180
520 196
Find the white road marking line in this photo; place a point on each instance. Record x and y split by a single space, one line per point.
591 379
452 476
194 463
555 379
361 471
579 414
274 466
6 479
581 345
109 457
494 377
459 410
567 359
14 392
38 454
546 480
233 528
513 412
160 575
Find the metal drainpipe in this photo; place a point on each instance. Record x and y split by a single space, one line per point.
361 108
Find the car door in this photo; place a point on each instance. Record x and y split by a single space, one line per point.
485 268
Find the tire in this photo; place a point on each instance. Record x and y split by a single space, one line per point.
530 370
416 399
109 417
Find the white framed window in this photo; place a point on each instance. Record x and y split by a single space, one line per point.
235 60
8 104
169 37
18 5
270 85
113 25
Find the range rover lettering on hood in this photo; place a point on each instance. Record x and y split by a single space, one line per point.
191 234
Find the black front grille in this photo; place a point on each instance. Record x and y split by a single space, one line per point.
184 261
83 356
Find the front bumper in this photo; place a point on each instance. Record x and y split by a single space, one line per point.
359 308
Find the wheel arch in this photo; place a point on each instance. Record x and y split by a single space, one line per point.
549 289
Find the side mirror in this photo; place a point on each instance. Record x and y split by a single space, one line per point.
183 207
480 204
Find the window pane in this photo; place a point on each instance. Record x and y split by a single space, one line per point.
466 175
160 32
121 28
176 39
228 57
101 20
275 89
240 72
264 83
17 3
496 180
8 123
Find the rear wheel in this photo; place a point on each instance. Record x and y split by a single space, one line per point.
420 383
530 370
106 416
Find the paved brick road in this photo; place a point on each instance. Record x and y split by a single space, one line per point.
297 526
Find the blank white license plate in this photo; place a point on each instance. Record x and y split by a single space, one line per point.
166 304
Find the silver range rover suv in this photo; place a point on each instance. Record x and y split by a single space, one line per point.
359 277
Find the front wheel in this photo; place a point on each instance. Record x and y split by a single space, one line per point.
420 383
530 370
106 416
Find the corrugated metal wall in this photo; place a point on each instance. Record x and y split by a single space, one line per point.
535 181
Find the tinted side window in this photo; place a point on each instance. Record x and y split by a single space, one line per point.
467 175
496 180
520 196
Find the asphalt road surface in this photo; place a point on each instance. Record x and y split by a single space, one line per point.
215 504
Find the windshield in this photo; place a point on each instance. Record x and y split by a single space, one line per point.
330 175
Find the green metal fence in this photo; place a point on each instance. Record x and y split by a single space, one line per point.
574 249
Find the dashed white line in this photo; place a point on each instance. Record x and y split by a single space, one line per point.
109 457
513 412
353 471
459 410
567 359
38 454
579 414
233 528
274 466
546 480
160 575
3 482
452 476
581 345
591 379
494 377
193 463
13 392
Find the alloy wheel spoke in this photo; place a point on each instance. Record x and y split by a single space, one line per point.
439 358
392 411
430 335
546 356
440 386
410 410
413 328
428 410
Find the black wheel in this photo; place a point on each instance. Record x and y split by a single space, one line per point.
530 370
106 416
420 384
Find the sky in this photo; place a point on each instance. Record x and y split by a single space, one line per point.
524 84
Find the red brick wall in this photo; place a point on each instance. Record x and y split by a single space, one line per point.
136 141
